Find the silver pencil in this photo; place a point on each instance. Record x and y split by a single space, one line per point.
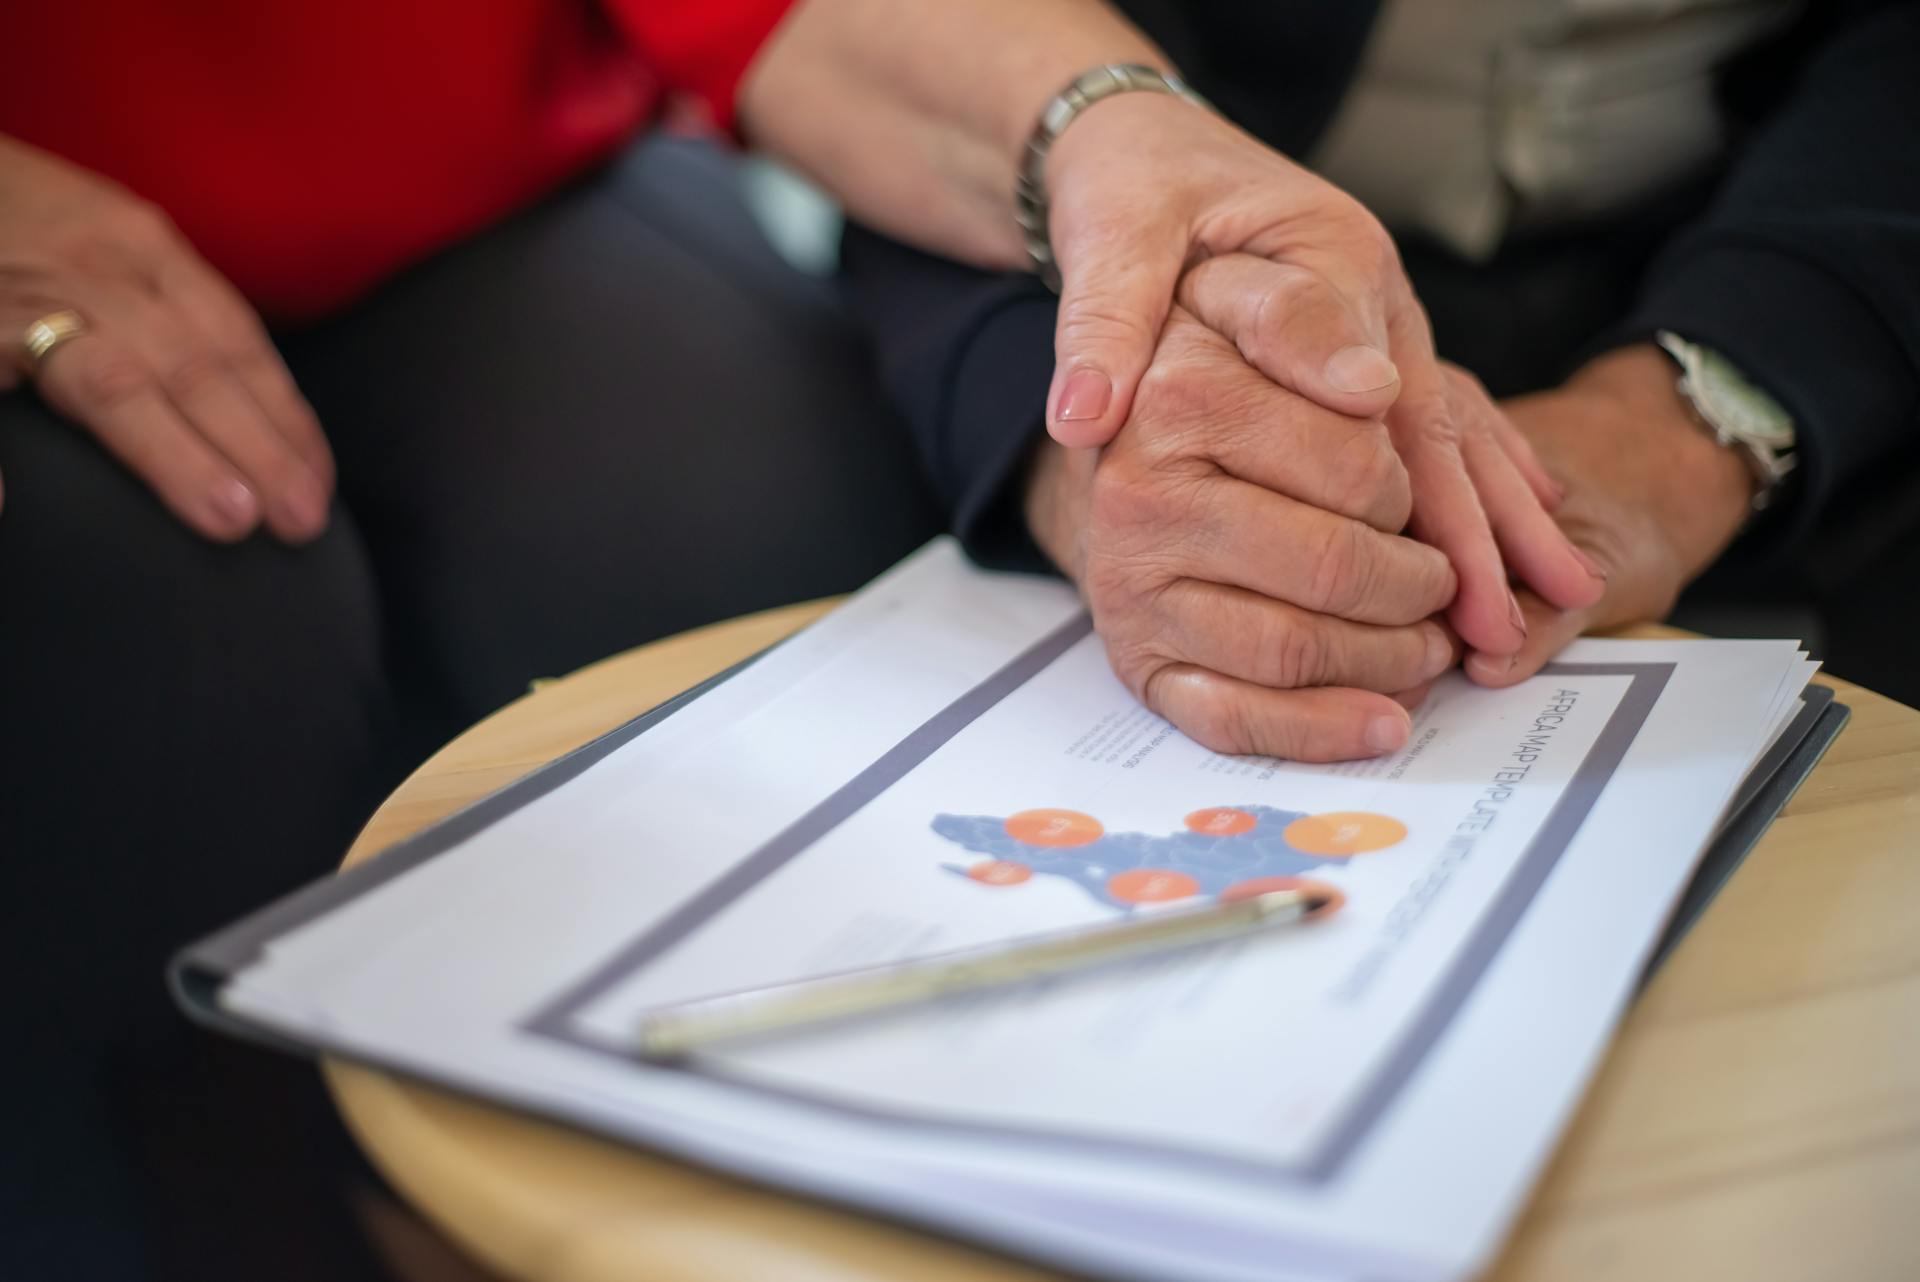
672 1032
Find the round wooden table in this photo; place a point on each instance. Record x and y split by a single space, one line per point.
1757 1118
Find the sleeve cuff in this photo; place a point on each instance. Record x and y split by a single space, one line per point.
1809 340
998 413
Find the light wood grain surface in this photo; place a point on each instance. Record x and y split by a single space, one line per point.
1758 1117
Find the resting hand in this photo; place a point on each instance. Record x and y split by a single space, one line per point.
1650 497
1234 545
175 376
1150 196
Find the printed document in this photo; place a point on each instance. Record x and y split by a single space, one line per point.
947 761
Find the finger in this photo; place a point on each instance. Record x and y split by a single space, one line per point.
1293 326
1469 392
29 296
210 397
1536 550
1115 289
1520 452
1446 511
1412 699
1549 631
1232 716
100 383
1203 392
1271 643
230 325
1240 534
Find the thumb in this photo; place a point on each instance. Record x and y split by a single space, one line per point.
1292 325
1114 296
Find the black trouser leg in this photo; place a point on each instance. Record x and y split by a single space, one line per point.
615 417
186 731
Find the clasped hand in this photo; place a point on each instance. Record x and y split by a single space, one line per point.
1272 493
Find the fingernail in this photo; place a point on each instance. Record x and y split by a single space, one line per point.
1360 369
1557 490
1086 395
1386 732
233 500
1594 568
1490 667
1518 619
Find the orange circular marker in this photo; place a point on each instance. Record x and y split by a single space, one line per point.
1332 897
1054 828
1000 872
1151 885
1221 821
1344 832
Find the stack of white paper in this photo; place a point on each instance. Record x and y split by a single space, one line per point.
948 761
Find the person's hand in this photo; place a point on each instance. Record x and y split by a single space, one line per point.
175 376
1234 544
1651 497
1153 199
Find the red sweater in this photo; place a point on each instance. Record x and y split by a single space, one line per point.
309 148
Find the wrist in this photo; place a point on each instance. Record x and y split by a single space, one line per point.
1039 174
1700 491
1109 122
1045 77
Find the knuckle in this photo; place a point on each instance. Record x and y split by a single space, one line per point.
1297 314
30 286
1373 243
1122 498
1271 307
1438 582
238 338
1176 387
1341 572
142 225
1369 482
1431 429
1089 320
110 381
1204 711
1135 664
1464 382
1126 591
192 376
1273 314
1300 654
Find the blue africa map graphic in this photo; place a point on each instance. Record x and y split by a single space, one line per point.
1230 850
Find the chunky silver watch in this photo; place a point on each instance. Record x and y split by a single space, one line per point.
1740 415
1030 190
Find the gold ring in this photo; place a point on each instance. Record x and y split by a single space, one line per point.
48 333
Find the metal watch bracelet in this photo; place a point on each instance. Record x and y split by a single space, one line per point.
1089 87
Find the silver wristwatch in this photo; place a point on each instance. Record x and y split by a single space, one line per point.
1740 415
1030 189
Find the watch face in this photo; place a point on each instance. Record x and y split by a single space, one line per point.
1743 409
1735 407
